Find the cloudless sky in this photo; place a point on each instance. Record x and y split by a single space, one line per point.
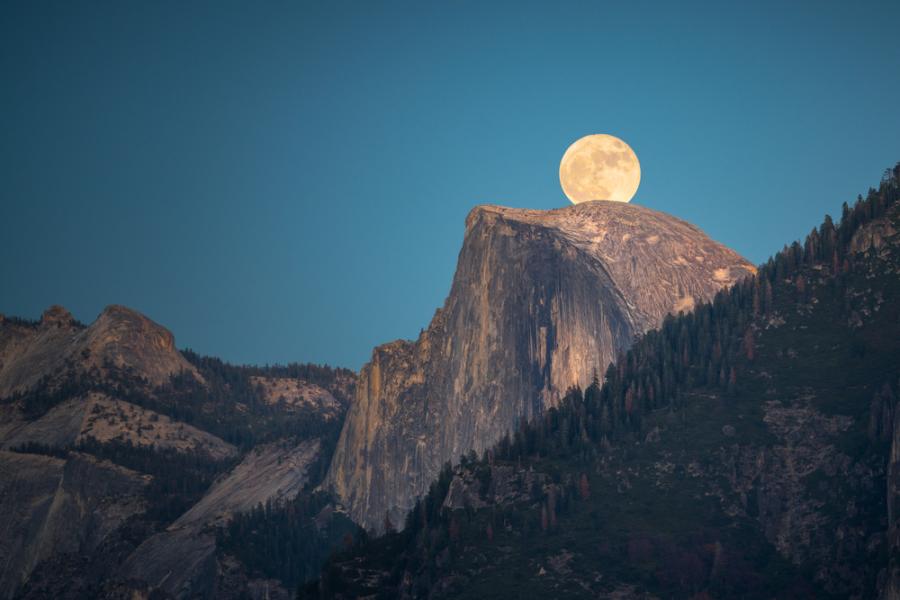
288 181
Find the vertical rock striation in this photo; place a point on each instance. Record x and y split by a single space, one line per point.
540 300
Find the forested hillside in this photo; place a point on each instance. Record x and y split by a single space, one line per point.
741 450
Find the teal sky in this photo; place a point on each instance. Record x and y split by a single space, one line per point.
288 181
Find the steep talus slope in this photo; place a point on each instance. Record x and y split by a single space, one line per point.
541 300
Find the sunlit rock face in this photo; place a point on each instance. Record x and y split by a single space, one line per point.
540 300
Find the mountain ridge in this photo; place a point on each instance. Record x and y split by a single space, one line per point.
89 405
58 346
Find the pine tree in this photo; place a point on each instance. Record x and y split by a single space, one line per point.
584 487
749 344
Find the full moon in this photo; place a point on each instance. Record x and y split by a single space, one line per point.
599 167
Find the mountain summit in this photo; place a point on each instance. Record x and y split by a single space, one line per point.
58 346
541 301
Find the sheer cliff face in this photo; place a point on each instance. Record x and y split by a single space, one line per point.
540 300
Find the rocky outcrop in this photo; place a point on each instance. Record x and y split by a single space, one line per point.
58 346
541 300
291 394
51 506
103 419
872 236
